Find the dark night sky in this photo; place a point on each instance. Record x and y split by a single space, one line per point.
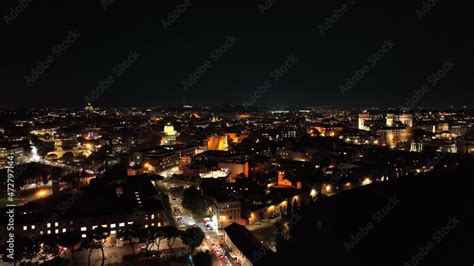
288 28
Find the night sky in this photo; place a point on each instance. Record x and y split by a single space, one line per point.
262 43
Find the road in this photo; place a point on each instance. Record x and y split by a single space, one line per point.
213 239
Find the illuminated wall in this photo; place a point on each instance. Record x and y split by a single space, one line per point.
396 137
362 119
217 143
235 168
235 137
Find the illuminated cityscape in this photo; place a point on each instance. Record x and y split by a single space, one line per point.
248 171
236 134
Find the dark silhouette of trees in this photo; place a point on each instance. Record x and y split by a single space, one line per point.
194 201
192 238
96 240
69 240
131 234
47 247
170 233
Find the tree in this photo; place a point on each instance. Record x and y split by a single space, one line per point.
194 201
130 233
193 237
70 240
47 247
96 241
151 236
170 233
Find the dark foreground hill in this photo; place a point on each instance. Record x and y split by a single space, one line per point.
411 221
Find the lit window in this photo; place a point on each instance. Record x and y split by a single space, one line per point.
56 231
49 232
48 225
83 229
41 232
113 225
94 227
84 235
104 225
121 224
55 224
33 227
146 226
64 230
130 223
113 232
25 228
152 216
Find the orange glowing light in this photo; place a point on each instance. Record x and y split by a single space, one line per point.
41 193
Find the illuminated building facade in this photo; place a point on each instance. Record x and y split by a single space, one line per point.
226 212
363 119
89 108
366 120
395 137
18 154
416 146
243 245
235 137
235 168
217 143
169 135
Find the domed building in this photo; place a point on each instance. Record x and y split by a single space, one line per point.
169 135
89 108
